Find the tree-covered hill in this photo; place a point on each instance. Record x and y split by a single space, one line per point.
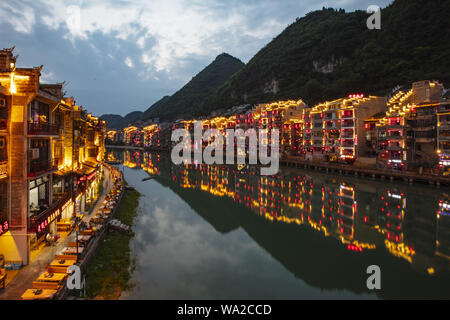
118 122
325 55
186 101
330 53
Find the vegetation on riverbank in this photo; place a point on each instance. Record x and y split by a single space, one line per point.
110 273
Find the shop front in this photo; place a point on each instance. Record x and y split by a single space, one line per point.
87 187
39 195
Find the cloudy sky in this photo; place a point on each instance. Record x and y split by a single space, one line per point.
123 55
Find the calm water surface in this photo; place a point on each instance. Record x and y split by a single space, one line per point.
220 233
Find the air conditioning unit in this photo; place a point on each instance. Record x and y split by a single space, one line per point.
34 153
2 103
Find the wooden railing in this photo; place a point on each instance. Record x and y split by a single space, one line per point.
37 168
42 128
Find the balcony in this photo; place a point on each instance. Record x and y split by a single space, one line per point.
349 123
347 135
42 129
37 168
347 115
394 126
394 148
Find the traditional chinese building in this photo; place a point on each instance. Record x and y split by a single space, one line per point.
407 136
285 116
334 131
132 136
51 153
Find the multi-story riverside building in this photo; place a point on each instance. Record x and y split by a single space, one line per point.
132 136
287 117
51 152
443 132
114 136
407 136
151 137
334 131
409 130
307 131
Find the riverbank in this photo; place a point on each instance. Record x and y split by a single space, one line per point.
406 176
110 273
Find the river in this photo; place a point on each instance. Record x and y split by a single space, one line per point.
216 232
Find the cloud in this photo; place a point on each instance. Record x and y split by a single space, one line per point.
177 29
129 62
48 77
137 45
19 15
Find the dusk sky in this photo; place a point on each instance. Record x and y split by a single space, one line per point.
120 56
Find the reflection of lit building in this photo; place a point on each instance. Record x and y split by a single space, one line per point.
393 215
132 159
390 222
330 209
328 206
347 211
443 229
150 163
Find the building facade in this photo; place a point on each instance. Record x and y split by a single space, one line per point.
51 152
407 135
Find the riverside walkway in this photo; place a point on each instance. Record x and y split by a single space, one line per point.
406 176
29 273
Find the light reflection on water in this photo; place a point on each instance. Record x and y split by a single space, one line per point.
219 233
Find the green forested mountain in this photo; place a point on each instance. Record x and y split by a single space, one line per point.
159 105
186 101
331 53
325 55
115 121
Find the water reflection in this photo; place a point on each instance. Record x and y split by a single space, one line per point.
324 229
